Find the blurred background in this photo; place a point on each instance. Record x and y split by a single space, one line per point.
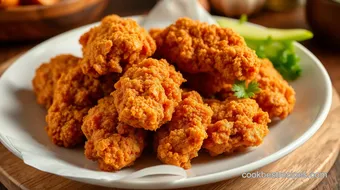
26 23
27 20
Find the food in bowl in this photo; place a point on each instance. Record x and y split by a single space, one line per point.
132 89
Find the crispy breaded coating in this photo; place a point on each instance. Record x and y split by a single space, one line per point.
180 140
155 32
75 93
114 44
207 84
147 94
113 144
47 75
276 97
237 124
196 47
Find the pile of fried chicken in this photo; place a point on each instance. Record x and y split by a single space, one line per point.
131 86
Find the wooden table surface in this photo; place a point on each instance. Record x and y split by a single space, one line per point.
329 56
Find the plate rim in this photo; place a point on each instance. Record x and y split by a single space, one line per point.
223 175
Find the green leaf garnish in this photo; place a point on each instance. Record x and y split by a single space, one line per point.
281 54
275 44
243 19
242 91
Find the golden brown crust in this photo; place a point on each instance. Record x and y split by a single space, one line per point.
75 93
47 75
276 97
180 140
147 94
112 45
207 84
113 144
201 48
237 124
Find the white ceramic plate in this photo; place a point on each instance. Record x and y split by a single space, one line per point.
19 112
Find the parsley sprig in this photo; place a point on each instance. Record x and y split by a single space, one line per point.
241 90
281 53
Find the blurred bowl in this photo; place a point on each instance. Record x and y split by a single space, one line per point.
234 8
35 22
323 17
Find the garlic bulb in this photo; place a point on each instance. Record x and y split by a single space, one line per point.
237 7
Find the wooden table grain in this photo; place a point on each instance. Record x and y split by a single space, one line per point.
329 56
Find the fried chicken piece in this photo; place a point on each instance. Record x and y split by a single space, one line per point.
196 47
211 84
147 94
276 97
207 84
113 45
75 93
237 124
180 140
113 144
155 32
47 75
